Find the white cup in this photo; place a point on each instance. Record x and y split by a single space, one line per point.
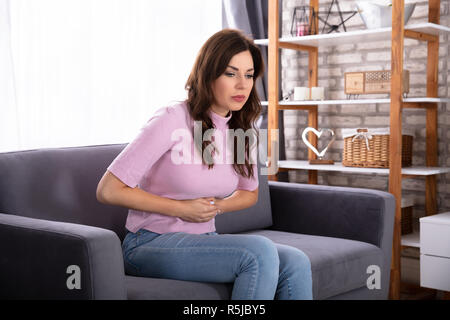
301 93
317 93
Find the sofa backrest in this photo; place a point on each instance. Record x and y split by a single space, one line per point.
257 217
59 184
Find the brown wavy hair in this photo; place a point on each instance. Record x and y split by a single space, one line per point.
211 62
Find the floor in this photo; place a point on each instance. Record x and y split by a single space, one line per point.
410 288
414 292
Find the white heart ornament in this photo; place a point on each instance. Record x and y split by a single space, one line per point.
318 134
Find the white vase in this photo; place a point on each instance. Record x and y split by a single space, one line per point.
376 15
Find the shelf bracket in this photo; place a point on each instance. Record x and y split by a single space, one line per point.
418 105
420 36
293 46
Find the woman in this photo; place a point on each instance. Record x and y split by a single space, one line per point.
172 209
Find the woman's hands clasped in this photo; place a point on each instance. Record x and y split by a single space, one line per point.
199 210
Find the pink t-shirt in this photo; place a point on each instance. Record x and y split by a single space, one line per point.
153 161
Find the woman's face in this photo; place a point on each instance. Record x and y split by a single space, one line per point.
232 89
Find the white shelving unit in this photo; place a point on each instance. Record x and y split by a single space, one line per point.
357 101
304 165
350 37
334 39
411 240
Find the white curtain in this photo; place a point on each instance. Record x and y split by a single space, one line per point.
88 72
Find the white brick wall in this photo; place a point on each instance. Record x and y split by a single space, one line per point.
333 63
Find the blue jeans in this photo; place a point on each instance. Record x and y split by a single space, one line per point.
259 268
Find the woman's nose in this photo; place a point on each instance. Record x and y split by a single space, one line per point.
241 82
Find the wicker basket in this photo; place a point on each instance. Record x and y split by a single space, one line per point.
369 148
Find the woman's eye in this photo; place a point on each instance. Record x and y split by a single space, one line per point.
231 74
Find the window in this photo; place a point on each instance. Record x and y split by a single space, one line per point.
86 72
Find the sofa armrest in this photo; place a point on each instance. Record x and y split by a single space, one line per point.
36 256
349 213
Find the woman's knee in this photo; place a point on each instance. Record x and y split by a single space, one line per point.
263 251
260 246
293 259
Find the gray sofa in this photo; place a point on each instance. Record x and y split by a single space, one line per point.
50 219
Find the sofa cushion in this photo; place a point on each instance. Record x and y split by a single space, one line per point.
140 288
338 265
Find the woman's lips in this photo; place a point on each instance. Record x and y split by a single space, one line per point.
238 98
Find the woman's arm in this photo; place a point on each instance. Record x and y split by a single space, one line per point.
111 190
238 200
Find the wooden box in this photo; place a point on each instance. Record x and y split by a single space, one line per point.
367 82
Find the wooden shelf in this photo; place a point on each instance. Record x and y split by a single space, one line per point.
358 36
411 239
304 165
357 101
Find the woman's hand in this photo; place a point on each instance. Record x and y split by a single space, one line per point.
198 210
